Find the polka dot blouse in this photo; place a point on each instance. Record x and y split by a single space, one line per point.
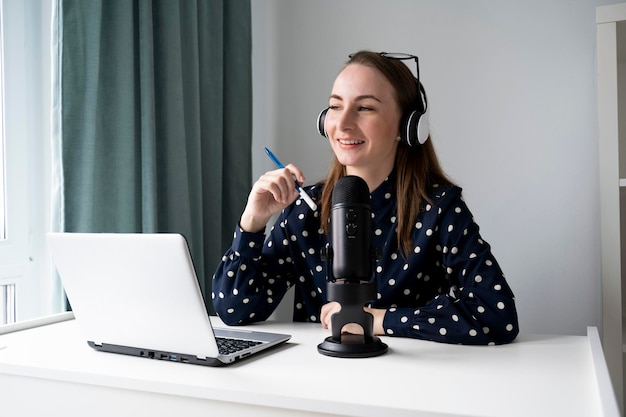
450 289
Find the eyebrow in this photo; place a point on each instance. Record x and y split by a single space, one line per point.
359 98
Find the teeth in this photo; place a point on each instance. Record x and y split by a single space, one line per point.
350 142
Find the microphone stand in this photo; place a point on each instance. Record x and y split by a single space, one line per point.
352 296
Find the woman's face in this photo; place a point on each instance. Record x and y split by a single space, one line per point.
363 122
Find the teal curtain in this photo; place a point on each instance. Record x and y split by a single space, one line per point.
156 119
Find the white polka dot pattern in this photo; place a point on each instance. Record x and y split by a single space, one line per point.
449 289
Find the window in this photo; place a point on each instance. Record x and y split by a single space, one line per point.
27 285
3 228
7 293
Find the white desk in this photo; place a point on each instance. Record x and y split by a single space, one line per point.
50 370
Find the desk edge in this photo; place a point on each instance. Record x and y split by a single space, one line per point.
608 400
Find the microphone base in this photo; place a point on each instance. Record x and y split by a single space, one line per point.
352 346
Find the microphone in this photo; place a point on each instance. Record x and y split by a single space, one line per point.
351 231
350 267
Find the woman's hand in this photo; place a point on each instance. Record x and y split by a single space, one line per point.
333 307
271 193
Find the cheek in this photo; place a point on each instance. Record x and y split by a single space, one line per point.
389 123
386 131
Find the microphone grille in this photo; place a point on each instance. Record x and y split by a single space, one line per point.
351 189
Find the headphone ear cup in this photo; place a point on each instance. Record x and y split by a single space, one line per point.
408 128
321 123
415 128
423 128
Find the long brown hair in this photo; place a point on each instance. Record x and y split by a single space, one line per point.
417 168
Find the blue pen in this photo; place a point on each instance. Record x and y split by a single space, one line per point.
309 201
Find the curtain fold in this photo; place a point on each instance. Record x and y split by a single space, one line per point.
156 119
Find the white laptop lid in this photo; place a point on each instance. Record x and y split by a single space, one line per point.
135 290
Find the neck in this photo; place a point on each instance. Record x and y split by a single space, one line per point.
372 178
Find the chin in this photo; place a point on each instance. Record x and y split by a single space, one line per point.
348 158
348 162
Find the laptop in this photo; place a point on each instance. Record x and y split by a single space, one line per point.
138 294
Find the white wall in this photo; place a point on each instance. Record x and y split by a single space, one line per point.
512 92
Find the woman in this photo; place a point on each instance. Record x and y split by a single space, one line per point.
436 279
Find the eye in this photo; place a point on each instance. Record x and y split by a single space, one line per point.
365 108
334 107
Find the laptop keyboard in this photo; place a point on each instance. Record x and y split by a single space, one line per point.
227 346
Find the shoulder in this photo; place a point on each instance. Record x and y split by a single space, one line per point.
442 195
444 201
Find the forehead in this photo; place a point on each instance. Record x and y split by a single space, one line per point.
358 80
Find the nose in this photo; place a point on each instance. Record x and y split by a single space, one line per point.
345 120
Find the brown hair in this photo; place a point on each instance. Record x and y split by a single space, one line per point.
417 168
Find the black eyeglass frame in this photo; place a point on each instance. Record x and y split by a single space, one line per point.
401 56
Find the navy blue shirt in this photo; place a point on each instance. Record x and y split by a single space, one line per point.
449 289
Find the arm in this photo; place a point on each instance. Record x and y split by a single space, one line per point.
251 278
249 284
476 305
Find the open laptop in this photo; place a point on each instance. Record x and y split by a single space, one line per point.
137 294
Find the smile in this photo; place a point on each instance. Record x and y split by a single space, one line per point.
350 141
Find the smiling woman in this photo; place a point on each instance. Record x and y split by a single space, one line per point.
435 279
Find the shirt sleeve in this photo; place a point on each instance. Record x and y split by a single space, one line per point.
246 286
479 306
